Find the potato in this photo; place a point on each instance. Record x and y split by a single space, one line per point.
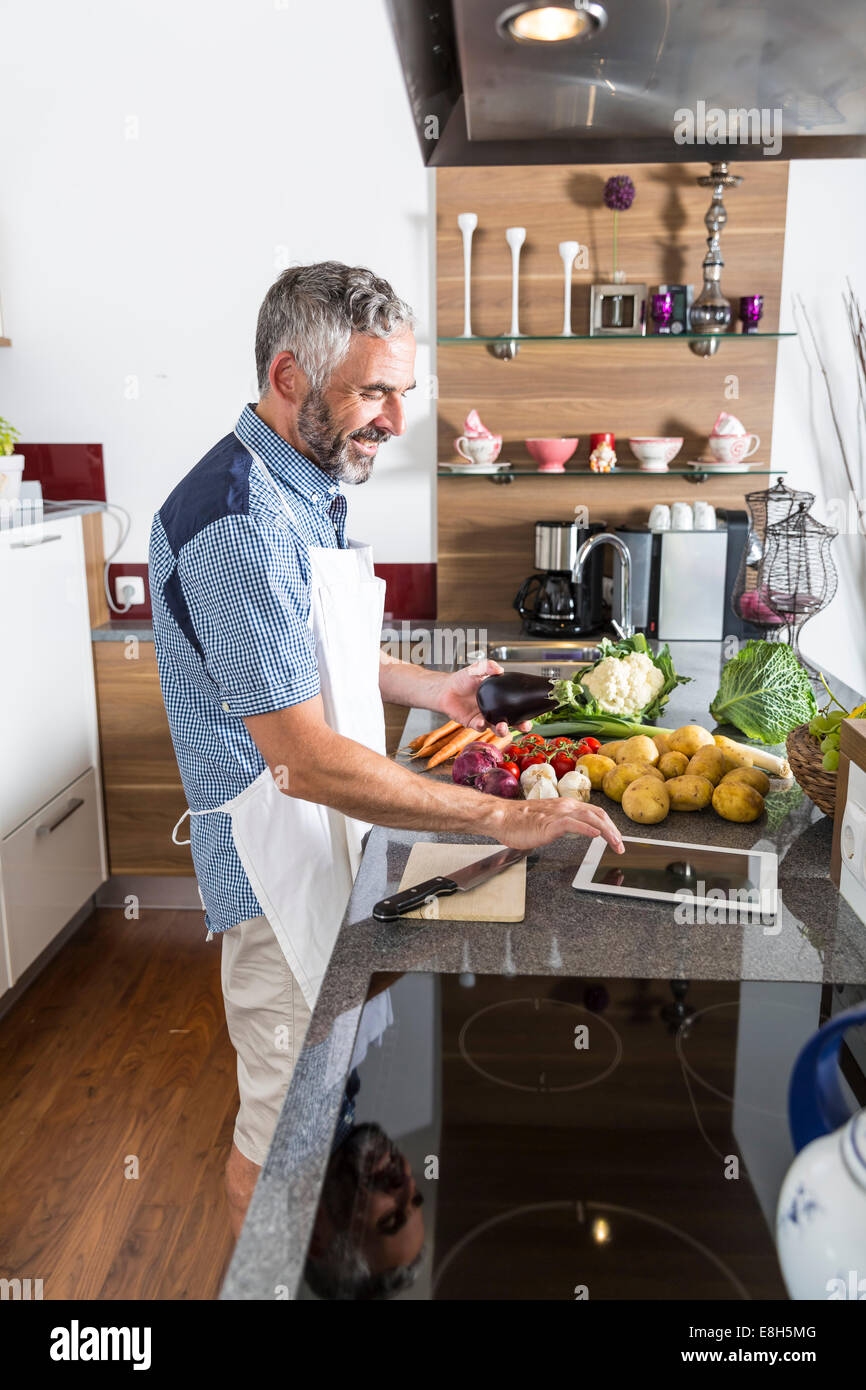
672 764
735 752
662 743
615 782
646 800
689 738
596 765
689 793
639 749
753 776
736 800
708 762
610 749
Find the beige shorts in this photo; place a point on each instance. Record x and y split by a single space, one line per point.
267 1018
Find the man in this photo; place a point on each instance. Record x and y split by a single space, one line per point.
267 626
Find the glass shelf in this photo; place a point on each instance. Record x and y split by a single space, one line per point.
694 475
618 338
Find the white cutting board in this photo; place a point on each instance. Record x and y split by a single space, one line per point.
501 899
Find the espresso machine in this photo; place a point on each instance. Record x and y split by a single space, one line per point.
549 603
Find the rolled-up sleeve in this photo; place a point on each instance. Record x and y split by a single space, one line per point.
246 586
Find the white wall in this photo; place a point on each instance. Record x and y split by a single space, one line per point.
268 132
824 243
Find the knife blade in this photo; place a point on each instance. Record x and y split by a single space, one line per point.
461 881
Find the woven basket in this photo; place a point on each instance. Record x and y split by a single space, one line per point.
804 755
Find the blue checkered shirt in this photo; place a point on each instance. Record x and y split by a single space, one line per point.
230 587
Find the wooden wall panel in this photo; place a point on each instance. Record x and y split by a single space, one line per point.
554 389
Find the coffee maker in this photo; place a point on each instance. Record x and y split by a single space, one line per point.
549 603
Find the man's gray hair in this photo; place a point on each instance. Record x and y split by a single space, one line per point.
313 310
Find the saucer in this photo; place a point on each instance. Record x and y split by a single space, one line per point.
473 467
715 467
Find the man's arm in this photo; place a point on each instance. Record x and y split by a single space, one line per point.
308 760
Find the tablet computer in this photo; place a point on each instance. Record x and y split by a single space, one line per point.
740 882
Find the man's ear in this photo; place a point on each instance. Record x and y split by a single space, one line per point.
286 378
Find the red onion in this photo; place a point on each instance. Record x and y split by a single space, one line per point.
498 781
472 762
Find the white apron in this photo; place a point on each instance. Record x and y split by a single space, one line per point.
301 858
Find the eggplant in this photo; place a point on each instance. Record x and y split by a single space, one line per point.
515 697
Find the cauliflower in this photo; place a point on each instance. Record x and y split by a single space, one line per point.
624 685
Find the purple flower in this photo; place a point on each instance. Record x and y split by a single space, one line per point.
619 193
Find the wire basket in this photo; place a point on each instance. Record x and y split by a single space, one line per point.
797 575
766 507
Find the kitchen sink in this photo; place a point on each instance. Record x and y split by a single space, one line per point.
551 656
543 649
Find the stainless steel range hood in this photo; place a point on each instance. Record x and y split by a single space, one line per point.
664 80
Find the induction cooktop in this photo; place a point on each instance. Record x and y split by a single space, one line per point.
525 1137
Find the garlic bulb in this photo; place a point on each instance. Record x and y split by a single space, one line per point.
575 784
533 772
541 789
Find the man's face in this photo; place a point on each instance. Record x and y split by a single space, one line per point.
342 426
371 1194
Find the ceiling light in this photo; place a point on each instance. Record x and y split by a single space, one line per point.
566 23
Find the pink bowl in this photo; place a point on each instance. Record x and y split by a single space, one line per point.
551 454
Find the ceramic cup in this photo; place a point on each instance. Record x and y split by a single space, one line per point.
660 517
481 450
705 516
682 517
733 448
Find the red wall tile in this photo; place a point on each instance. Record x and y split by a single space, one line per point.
66 471
410 590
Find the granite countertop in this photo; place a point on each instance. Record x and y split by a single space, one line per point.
816 937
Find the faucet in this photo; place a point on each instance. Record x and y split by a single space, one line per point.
624 627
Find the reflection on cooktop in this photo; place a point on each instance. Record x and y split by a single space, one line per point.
561 1138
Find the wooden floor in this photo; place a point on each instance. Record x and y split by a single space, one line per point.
117 1059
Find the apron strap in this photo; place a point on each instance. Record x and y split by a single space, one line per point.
174 838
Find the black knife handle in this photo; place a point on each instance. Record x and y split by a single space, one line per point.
391 908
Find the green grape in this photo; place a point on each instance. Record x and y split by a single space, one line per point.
830 761
819 725
830 743
835 717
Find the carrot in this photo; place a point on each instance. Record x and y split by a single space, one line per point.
452 747
435 736
486 737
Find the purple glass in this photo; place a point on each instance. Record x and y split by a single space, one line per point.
663 312
751 309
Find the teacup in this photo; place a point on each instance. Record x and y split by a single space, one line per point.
733 448
481 450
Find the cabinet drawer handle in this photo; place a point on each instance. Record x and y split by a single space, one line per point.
31 545
72 807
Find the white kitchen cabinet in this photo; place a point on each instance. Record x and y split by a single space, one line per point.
47 699
50 861
49 866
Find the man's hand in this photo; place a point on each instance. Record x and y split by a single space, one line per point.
530 824
458 696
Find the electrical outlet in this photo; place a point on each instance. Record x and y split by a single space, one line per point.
128 590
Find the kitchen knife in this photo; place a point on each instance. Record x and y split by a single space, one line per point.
389 909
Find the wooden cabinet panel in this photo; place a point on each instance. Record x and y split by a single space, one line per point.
144 796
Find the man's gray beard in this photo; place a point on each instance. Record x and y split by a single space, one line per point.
325 446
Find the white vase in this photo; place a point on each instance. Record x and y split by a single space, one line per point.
515 236
11 470
467 222
568 251
821 1213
